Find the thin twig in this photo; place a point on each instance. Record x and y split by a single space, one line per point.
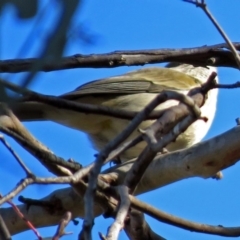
182 223
123 208
36 180
116 152
89 195
173 220
203 6
88 198
141 164
19 213
228 86
62 225
146 154
60 102
19 160
46 157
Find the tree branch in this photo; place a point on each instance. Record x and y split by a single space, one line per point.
204 7
4 233
137 228
215 55
200 160
182 223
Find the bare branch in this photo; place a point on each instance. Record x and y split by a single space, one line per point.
60 102
144 159
19 160
182 223
200 160
113 144
203 6
228 86
170 116
89 195
11 126
124 205
216 55
137 228
4 232
27 222
61 226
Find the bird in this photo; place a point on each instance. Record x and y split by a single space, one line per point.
131 91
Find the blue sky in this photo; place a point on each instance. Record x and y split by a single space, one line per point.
126 25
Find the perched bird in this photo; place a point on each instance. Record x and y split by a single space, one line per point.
130 91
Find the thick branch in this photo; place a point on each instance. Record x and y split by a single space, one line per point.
216 55
202 160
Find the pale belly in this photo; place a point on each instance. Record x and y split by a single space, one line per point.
102 129
192 135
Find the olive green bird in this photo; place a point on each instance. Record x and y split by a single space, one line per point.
131 91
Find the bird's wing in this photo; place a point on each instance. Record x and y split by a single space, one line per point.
140 81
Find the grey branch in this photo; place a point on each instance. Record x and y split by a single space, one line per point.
138 229
216 55
200 160
4 233
124 205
